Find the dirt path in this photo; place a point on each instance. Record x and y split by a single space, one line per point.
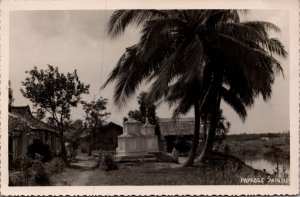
79 174
83 178
72 177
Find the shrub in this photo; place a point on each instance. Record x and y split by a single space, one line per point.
32 172
20 171
100 158
163 157
109 163
38 147
16 163
182 144
17 178
55 166
41 177
226 149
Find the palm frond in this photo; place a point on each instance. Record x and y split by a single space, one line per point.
155 35
185 104
275 46
186 58
251 33
236 103
122 18
122 65
262 26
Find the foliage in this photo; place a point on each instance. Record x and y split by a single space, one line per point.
55 93
225 171
17 126
195 58
41 177
22 162
226 149
147 110
109 163
55 166
183 143
26 171
73 131
223 126
38 147
95 115
164 157
95 112
134 114
250 145
17 178
10 96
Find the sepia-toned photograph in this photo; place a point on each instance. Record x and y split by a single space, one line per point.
149 97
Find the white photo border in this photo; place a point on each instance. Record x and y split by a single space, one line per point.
291 5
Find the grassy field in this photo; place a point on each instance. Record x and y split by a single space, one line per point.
222 170
256 145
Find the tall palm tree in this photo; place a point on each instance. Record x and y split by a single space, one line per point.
193 58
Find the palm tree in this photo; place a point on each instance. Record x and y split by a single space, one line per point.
193 58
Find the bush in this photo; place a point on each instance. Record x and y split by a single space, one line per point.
226 149
17 178
55 166
21 163
163 157
26 172
41 177
183 144
20 171
109 163
38 147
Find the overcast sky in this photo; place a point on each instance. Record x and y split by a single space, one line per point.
78 40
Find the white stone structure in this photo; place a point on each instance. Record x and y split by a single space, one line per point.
131 142
151 139
137 141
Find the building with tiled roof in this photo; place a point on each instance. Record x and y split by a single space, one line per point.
24 112
24 128
180 126
171 129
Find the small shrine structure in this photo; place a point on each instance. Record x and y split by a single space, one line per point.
137 141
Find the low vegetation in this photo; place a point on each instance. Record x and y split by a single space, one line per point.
267 145
222 170
25 171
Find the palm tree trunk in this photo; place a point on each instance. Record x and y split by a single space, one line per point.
195 142
212 131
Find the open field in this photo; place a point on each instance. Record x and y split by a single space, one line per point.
222 170
258 145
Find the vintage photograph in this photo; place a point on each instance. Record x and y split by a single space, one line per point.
148 97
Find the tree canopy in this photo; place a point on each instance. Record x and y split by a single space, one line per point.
55 93
96 114
196 58
147 110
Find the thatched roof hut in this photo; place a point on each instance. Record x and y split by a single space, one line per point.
180 126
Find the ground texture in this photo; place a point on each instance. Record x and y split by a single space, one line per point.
220 170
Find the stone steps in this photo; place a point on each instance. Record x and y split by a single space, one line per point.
146 157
